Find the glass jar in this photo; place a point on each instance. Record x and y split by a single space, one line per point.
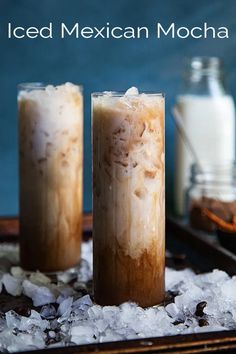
208 116
212 187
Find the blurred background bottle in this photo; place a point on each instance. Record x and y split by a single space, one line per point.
208 116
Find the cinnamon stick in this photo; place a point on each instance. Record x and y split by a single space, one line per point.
221 224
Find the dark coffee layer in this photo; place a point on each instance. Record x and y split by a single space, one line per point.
119 278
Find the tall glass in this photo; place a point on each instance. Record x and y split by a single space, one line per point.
128 198
51 163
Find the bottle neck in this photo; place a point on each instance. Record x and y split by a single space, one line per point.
208 174
204 82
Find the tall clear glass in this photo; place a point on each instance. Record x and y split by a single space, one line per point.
128 198
51 163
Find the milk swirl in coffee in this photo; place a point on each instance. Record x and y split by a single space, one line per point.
128 197
51 150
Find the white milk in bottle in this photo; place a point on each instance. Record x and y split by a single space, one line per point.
208 116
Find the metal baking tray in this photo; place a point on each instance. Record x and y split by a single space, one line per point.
189 248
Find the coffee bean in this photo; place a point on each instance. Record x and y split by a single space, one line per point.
202 322
199 308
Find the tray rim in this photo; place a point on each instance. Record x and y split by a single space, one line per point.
188 343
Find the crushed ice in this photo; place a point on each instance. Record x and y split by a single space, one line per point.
63 312
132 91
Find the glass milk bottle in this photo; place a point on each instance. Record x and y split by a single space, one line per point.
208 116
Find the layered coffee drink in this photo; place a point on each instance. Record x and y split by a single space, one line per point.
128 197
51 162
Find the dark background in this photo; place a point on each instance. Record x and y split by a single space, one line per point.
100 64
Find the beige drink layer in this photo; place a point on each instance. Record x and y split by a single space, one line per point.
51 143
128 198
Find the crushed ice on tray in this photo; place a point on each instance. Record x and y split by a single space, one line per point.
64 313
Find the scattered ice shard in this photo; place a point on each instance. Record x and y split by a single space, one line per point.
67 276
65 307
39 278
175 277
132 91
18 272
33 321
84 273
12 319
83 303
40 295
83 334
48 311
78 321
174 312
12 285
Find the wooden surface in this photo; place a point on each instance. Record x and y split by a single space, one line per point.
202 253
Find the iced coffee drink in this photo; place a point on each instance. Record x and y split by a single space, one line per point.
128 197
51 150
